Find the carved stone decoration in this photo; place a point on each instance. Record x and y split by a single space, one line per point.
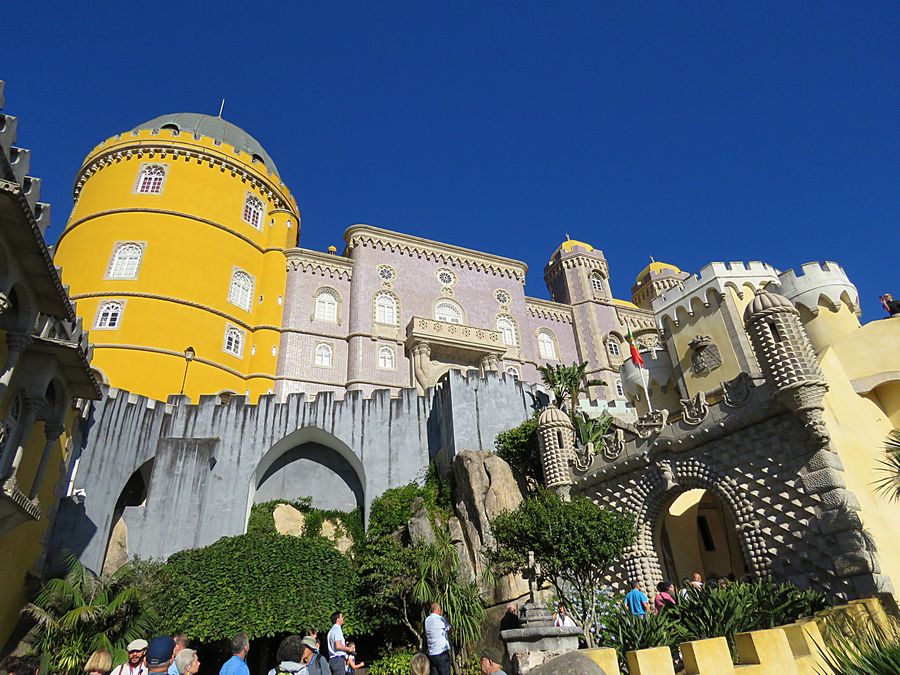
583 457
614 444
694 410
648 341
5 304
651 423
737 391
705 356
806 401
667 475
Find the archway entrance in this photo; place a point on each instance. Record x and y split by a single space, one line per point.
698 534
134 494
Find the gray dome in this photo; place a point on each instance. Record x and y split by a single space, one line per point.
212 127
553 415
766 300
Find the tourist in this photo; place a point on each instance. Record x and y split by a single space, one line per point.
437 629
237 664
491 662
419 665
159 654
181 642
293 656
21 665
665 596
891 306
351 660
562 619
318 662
100 663
186 662
636 601
337 648
697 581
511 620
137 649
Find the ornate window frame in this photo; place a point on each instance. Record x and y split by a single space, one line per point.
250 212
446 271
452 303
514 371
233 341
396 308
151 178
595 279
383 351
554 343
386 274
118 248
323 355
613 347
503 297
513 326
237 290
107 318
333 293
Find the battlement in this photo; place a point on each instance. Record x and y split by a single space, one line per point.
711 283
150 142
820 285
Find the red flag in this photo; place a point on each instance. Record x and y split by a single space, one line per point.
635 354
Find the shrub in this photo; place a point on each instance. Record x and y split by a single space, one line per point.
626 632
518 447
395 663
856 648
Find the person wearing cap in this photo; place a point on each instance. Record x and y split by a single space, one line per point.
181 642
237 664
159 654
294 654
491 661
137 649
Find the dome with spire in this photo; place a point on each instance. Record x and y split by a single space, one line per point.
212 127
656 267
766 300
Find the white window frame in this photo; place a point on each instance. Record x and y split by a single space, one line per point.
236 337
326 305
388 313
151 179
241 294
121 267
514 371
612 346
596 281
387 358
108 318
545 339
323 356
250 208
508 332
620 390
457 316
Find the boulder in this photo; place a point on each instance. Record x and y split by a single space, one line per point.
335 532
570 663
419 526
288 520
117 551
486 486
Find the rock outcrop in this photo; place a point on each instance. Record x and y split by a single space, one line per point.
571 663
288 520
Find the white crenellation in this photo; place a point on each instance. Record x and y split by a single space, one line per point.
819 285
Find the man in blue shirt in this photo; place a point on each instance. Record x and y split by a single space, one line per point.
237 664
637 601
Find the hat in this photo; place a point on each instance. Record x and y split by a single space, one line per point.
159 653
136 645
492 654
310 641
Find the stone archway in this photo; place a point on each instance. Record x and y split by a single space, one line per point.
133 496
310 462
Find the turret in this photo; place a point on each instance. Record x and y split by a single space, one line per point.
787 358
556 440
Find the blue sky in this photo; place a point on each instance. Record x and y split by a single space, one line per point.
687 131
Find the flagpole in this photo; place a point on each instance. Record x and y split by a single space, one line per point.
646 391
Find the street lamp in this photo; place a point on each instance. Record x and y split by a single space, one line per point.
189 354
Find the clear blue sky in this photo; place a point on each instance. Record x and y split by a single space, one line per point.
699 132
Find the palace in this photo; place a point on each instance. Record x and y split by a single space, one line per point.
240 367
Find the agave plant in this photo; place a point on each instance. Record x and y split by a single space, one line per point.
82 612
889 466
626 632
856 648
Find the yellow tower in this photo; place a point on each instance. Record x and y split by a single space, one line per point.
174 254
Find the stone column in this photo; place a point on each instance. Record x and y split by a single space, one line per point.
421 358
489 362
16 343
12 456
52 432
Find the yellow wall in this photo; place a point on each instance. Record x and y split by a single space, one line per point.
827 326
194 237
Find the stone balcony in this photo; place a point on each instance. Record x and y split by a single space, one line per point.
438 346
15 507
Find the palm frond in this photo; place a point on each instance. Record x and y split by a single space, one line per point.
889 483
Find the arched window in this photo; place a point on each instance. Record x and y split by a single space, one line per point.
254 210
385 308
326 305
546 345
508 330
596 281
150 179
512 370
241 291
613 346
620 391
109 315
324 355
125 261
386 358
448 311
234 341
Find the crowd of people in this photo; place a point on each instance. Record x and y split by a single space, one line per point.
638 604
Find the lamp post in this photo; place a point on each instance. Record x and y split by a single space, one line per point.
188 357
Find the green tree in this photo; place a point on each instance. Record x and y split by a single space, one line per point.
518 447
573 542
889 465
567 383
81 613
